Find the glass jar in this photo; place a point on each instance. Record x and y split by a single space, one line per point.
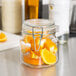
39 45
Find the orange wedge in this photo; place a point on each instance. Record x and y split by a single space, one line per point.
28 39
38 46
34 61
41 43
50 45
33 55
48 57
53 48
2 37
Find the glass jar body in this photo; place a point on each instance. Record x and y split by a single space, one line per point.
39 48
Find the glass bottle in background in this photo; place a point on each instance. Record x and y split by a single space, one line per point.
12 16
36 9
59 11
31 9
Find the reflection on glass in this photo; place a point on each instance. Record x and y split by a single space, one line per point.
63 61
26 71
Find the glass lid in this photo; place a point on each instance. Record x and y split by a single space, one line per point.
39 23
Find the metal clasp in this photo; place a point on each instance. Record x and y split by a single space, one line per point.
41 35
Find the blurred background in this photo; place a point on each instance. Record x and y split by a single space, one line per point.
45 15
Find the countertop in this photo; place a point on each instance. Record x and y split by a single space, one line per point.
10 63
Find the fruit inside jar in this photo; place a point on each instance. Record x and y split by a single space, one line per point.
39 44
38 52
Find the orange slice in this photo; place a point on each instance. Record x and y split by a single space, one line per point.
41 43
48 57
50 45
28 39
38 45
2 37
53 48
33 55
33 61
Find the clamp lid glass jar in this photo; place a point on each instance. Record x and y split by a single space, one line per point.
39 44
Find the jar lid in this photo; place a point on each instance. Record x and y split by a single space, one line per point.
42 25
39 23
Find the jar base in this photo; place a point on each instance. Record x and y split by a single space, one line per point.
38 66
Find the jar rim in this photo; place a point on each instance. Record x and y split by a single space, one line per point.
40 23
43 26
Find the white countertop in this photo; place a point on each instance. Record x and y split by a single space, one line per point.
12 41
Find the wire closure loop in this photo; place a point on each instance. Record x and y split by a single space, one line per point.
41 35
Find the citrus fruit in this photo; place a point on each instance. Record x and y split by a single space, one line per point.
50 45
28 39
48 57
33 55
40 43
2 37
53 48
36 33
25 47
33 61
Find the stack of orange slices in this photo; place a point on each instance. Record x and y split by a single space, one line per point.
46 53
2 37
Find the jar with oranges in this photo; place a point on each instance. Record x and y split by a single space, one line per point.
39 45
